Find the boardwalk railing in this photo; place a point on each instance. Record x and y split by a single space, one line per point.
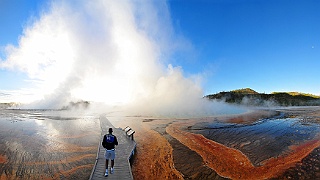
124 151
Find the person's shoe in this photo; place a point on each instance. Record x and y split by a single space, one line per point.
106 174
112 170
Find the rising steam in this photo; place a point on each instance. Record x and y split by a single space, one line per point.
114 52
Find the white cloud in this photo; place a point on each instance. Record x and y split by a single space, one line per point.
114 52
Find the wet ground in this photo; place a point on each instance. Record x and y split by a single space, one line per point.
263 144
47 145
267 139
183 157
271 136
277 144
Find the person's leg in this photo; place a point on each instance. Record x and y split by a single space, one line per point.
113 155
106 173
107 156
112 163
107 163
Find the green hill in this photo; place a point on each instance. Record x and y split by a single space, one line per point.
245 91
250 97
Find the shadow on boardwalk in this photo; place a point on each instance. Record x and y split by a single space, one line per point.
124 152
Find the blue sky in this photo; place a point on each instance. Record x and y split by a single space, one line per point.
14 16
264 45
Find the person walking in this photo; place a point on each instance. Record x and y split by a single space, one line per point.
109 142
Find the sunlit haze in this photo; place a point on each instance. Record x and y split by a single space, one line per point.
94 51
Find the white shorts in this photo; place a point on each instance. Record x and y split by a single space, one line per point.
110 154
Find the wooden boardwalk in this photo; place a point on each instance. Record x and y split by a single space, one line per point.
124 152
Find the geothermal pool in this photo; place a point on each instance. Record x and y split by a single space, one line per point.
260 140
279 144
47 144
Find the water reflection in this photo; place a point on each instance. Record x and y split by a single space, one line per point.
47 144
260 140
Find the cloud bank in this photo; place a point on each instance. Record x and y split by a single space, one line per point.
112 52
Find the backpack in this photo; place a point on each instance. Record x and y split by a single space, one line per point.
109 138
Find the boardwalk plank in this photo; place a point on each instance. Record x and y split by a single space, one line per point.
123 152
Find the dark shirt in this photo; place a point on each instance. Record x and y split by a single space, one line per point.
107 145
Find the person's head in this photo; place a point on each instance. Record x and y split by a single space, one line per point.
110 130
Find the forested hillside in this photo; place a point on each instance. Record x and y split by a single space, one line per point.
248 96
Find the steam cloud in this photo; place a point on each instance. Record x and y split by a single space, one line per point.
115 52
